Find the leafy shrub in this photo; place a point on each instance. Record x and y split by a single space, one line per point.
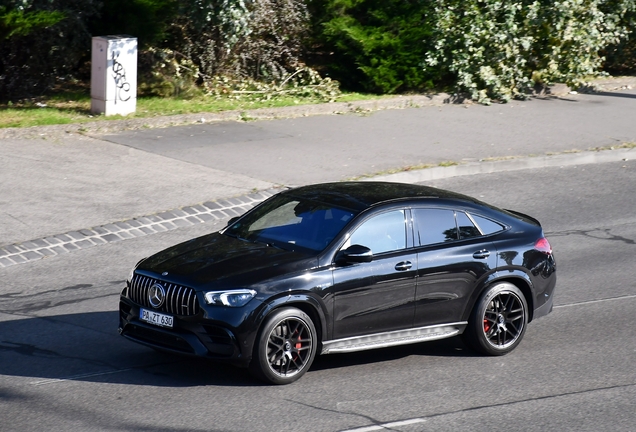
260 39
377 45
304 82
45 40
17 22
620 58
147 20
498 49
165 73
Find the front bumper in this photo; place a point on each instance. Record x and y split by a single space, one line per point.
191 335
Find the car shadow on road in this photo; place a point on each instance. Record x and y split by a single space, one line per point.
87 347
614 94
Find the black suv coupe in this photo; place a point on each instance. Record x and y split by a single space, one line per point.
342 267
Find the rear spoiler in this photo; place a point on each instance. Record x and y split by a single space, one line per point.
524 216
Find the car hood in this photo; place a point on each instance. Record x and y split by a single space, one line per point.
216 261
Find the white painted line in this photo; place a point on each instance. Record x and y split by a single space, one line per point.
595 301
387 425
76 377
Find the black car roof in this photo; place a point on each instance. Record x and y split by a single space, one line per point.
361 195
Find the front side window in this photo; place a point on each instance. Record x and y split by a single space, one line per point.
385 232
287 222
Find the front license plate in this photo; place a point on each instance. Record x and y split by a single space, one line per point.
156 318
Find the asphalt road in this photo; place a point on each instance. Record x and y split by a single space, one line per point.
63 366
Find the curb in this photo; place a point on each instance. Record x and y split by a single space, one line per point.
516 164
102 127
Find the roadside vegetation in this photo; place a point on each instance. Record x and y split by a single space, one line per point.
211 55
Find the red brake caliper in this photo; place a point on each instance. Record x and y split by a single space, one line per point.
486 325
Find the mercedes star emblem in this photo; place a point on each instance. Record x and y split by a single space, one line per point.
156 295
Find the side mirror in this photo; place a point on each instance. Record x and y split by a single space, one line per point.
232 220
356 254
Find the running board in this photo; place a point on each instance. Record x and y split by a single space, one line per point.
394 338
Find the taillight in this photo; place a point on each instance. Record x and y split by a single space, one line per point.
543 245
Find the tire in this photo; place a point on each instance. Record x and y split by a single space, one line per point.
498 321
285 347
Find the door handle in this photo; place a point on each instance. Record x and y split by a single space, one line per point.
404 265
484 253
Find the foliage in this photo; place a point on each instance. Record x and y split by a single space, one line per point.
377 45
17 22
259 39
165 73
250 49
33 58
304 83
499 49
620 58
147 20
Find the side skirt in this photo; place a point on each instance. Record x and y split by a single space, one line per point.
394 338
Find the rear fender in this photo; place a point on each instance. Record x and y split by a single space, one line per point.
515 276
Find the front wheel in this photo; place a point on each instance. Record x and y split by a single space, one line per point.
498 322
285 347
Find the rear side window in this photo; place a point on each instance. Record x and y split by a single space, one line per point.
487 226
466 227
435 226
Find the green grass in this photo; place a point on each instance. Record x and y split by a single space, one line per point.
74 107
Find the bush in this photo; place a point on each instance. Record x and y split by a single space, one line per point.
147 20
259 39
164 73
376 45
620 58
497 49
44 40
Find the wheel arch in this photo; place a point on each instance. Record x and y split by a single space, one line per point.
304 302
517 278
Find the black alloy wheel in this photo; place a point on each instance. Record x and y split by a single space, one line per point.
285 347
498 321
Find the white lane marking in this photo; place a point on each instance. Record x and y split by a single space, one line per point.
387 425
595 301
76 377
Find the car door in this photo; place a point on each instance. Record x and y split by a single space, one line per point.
452 257
377 296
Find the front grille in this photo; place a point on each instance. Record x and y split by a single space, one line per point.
179 300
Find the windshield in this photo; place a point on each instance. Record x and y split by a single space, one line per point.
290 222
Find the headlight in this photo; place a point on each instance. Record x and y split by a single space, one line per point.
235 298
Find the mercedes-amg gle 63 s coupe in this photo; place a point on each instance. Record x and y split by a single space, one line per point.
343 267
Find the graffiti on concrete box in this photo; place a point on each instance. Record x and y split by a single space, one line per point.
122 86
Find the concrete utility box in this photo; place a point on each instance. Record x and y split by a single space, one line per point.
114 75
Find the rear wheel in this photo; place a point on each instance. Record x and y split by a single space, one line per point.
498 322
285 347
